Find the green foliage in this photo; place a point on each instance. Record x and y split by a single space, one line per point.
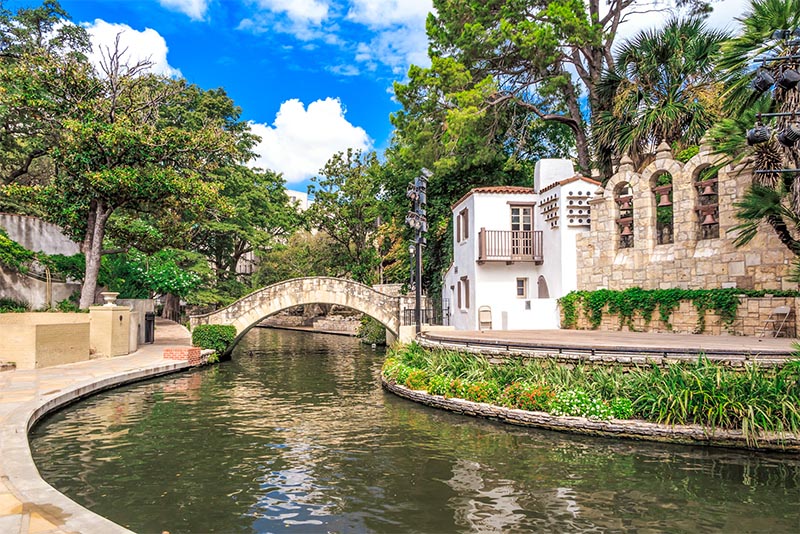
13 306
525 396
662 87
643 302
687 153
213 336
417 379
703 393
13 255
70 267
371 331
346 208
576 402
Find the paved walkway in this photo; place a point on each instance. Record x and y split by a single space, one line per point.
623 341
27 503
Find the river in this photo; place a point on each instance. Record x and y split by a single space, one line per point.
295 434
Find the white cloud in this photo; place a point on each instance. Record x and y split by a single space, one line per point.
397 48
300 141
140 45
722 17
195 9
384 13
304 11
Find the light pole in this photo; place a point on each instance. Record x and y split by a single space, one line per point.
417 219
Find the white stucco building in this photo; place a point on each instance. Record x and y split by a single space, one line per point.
514 250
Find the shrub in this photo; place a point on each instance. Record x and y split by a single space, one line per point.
371 331
576 402
417 379
484 391
11 305
438 385
622 408
213 336
457 388
529 397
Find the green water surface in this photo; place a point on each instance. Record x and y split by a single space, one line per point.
295 435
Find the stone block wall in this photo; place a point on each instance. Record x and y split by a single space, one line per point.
689 262
750 319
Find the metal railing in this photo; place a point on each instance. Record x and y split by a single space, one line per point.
510 245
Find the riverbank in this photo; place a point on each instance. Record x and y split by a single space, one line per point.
701 403
27 503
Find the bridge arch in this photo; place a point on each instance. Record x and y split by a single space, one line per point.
251 309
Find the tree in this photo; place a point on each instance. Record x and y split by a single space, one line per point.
774 197
521 53
662 87
42 64
346 209
260 215
115 153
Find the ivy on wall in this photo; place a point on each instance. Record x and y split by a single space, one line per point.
644 302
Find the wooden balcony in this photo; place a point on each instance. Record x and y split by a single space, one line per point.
510 246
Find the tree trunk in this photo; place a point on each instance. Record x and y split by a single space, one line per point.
581 140
172 308
94 253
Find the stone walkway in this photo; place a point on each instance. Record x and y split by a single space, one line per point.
623 341
27 503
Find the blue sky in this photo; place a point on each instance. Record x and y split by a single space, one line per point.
313 76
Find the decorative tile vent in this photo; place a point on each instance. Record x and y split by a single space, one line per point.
577 209
548 207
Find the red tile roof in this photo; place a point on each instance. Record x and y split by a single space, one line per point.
498 190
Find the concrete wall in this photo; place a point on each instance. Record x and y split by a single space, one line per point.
37 235
34 340
138 308
110 330
28 289
689 262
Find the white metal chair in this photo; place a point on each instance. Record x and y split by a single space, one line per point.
485 318
776 322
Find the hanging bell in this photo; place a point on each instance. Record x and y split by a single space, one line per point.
709 219
708 190
757 135
763 81
788 79
664 200
626 230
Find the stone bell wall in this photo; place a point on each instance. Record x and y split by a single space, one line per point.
689 262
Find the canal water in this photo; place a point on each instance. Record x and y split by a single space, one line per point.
295 435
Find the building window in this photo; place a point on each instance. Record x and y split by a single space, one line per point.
463 293
522 288
462 225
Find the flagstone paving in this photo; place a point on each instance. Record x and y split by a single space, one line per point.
27 503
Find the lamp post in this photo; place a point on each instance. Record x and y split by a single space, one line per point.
417 192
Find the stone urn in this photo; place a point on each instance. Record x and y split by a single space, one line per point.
110 298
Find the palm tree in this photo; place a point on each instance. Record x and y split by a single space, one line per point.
662 88
774 197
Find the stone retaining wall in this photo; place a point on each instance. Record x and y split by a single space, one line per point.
750 319
500 354
616 428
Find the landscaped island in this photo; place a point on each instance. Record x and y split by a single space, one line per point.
701 402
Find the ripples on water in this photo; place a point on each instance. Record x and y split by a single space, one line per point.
296 435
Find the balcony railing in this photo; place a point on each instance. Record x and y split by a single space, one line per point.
510 246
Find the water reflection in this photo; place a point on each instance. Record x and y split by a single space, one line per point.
299 437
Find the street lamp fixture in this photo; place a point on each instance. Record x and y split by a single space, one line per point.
417 219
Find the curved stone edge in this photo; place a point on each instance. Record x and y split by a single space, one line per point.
615 428
23 475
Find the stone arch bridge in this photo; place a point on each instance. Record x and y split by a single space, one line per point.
251 309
